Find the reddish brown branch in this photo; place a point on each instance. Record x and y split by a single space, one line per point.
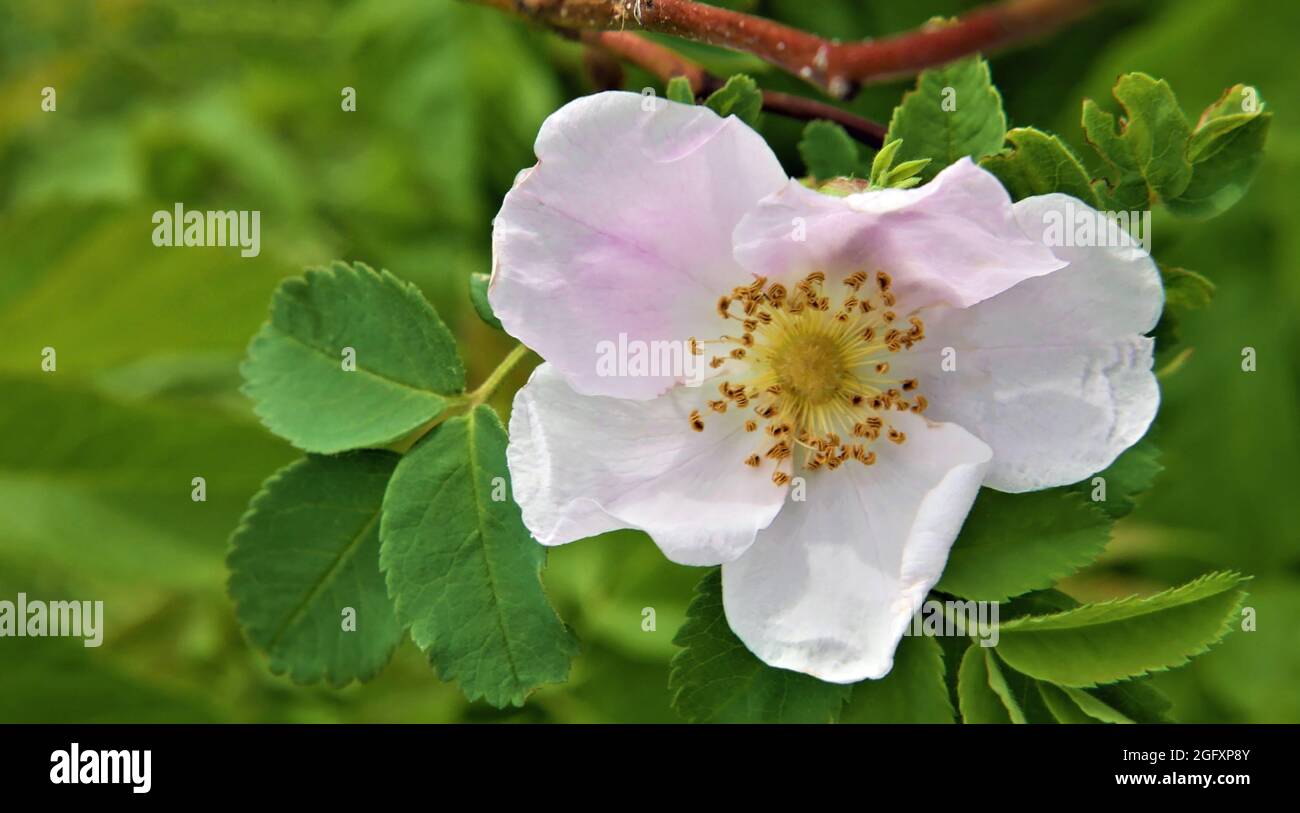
666 63
838 68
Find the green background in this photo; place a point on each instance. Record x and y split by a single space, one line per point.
236 105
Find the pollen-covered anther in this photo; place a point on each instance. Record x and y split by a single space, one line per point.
816 370
780 478
779 452
697 423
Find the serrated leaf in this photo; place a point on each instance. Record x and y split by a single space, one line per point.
978 702
1225 151
1185 290
1149 149
1132 474
914 691
1013 543
679 90
1061 707
306 551
406 365
1019 693
716 679
1037 163
954 111
1094 707
463 571
478 296
828 151
740 97
1136 699
1103 643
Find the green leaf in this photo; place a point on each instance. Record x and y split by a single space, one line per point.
1037 163
1225 151
1147 154
406 366
1132 473
1062 708
1094 707
306 552
883 160
463 571
740 97
914 691
478 288
828 151
1019 694
1107 642
954 111
979 703
679 90
716 679
1013 543
1185 290
1137 700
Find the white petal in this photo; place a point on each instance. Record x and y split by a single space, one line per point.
1054 374
953 241
624 226
829 588
582 465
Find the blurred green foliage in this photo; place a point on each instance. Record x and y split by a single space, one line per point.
235 104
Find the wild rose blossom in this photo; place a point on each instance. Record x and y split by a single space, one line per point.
897 349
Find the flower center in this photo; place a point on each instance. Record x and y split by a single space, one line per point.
809 367
818 377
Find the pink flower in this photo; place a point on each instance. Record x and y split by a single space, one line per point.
895 349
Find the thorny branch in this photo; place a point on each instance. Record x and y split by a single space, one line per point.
666 63
838 68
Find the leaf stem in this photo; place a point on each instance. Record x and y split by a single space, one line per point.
466 402
498 375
